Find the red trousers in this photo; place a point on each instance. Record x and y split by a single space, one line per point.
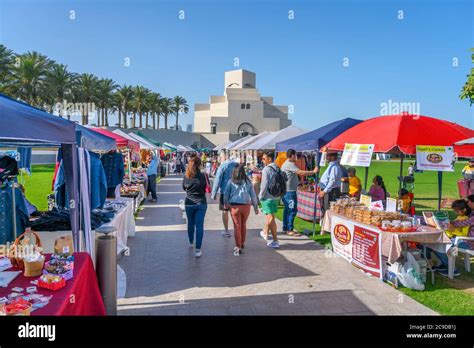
240 214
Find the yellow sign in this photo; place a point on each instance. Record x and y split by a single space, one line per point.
366 200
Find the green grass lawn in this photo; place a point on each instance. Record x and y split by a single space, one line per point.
447 297
39 185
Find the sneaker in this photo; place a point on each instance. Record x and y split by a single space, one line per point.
223 233
198 253
227 234
445 273
273 244
191 244
236 251
266 237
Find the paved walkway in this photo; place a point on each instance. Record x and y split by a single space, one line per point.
300 278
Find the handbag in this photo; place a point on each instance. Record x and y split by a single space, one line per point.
208 184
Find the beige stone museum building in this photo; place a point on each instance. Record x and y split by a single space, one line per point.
239 112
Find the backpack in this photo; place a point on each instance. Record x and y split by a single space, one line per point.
277 184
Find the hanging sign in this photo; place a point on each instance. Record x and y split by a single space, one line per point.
436 158
392 204
359 155
322 162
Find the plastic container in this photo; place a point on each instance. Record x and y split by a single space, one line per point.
52 286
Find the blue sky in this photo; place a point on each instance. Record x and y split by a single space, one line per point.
299 62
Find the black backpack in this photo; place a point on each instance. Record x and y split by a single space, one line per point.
277 184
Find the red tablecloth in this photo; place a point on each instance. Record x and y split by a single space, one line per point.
80 296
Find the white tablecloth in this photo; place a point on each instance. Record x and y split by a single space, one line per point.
123 221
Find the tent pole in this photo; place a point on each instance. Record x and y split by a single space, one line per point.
316 180
440 188
401 173
366 178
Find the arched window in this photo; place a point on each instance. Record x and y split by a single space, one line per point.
248 107
246 129
242 106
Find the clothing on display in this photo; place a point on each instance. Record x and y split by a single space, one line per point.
8 167
6 213
98 181
114 168
59 220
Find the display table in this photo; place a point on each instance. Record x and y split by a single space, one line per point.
81 296
306 202
392 242
123 221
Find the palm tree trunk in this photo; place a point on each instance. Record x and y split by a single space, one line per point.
125 119
154 120
157 121
106 116
177 116
134 125
146 118
141 119
166 120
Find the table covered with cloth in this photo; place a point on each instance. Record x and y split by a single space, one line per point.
306 202
80 296
123 221
392 242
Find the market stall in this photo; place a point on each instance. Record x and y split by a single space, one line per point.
400 135
348 220
311 142
82 287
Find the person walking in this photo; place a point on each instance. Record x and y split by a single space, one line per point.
330 183
194 183
239 196
223 175
152 172
272 188
290 200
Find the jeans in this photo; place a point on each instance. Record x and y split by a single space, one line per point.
291 209
240 214
151 186
196 214
442 256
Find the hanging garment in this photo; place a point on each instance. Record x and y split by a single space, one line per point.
98 182
8 167
114 168
60 187
6 213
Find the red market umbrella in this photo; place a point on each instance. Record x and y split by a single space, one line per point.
121 141
465 148
400 134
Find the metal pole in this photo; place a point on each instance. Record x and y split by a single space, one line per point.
440 189
401 173
316 179
106 267
366 178
15 235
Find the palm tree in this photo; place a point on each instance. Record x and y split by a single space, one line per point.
123 101
59 84
166 109
6 62
28 75
105 97
87 85
140 94
179 105
154 106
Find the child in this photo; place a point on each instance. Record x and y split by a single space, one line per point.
406 200
354 183
457 227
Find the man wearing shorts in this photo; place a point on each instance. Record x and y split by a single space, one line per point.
223 175
269 202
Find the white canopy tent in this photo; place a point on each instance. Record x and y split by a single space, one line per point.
236 142
269 141
146 144
223 145
249 141
465 142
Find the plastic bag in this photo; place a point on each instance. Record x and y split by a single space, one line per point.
409 275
